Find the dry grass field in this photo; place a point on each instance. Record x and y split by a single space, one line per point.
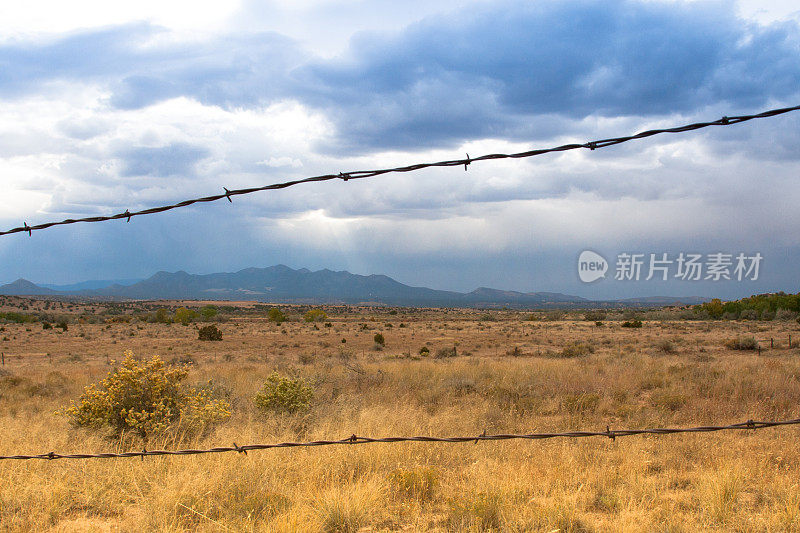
509 374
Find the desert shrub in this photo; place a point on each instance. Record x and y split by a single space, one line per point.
635 323
17 318
63 325
209 333
276 315
146 398
514 352
283 394
184 315
742 343
161 317
209 312
47 325
594 316
424 351
554 315
443 353
315 315
749 314
785 314
378 338
577 349
666 346
306 358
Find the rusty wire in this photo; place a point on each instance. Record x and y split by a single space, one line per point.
353 439
360 174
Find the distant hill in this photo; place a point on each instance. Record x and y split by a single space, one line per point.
286 285
90 285
23 287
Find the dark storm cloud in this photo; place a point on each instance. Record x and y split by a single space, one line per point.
486 73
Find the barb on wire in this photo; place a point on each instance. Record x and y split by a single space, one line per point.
353 439
360 174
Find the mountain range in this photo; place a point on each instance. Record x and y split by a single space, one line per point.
281 284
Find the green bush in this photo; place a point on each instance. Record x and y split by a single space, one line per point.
424 351
276 315
283 394
209 333
185 316
209 312
378 338
635 323
18 318
146 398
161 317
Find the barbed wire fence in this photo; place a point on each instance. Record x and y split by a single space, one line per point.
362 174
353 439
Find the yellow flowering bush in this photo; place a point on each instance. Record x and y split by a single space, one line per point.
315 315
147 398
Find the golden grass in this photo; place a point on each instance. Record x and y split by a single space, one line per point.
741 481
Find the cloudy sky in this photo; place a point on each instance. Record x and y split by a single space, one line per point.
107 106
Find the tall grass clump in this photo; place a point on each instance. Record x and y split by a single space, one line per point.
576 349
742 343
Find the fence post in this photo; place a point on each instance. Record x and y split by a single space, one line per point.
771 343
4 358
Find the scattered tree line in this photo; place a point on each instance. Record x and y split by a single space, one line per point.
772 306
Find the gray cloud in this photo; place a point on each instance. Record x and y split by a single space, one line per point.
236 70
171 160
489 72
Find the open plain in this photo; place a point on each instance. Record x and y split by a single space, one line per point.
498 371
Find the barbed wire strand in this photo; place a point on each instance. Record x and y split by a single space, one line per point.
353 439
361 174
